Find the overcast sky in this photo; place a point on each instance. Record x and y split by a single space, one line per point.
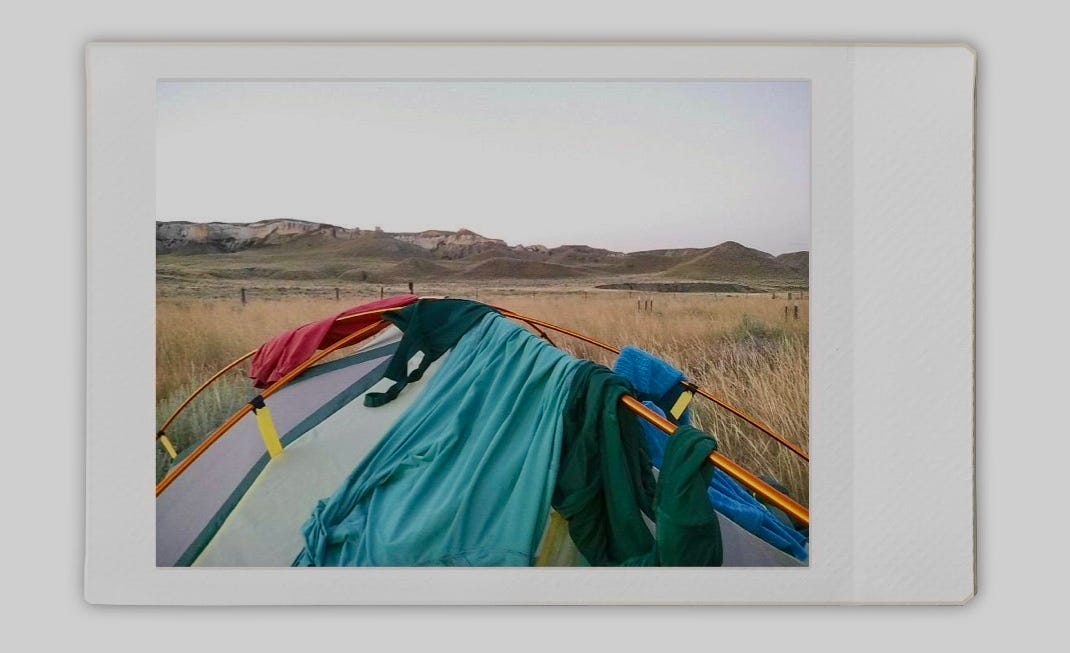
622 165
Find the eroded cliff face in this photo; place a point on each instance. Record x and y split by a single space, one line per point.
453 245
231 237
192 237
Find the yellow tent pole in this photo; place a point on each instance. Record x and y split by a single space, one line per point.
356 336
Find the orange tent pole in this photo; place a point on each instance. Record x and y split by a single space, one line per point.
794 448
745 478
752 421
723 404
367 331
797 512
174 415
163 429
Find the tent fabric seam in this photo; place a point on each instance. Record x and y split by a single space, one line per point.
347 395
323 368
358 357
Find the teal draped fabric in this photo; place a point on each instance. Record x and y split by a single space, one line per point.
466 474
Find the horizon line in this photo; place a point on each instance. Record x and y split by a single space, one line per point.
459 229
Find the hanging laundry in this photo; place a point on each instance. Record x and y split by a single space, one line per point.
655 381
605 485
287 351
465 476
653 377
431 328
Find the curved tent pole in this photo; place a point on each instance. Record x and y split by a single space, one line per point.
751 482
170 420
356 336
690 386
163 429
797 512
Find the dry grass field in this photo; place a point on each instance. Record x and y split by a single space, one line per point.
739 347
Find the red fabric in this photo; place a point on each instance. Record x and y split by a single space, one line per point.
285 352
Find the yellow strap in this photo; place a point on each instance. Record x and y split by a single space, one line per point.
268 431
170 448
681 403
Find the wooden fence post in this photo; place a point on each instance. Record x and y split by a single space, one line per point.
337 295
785 312
243 295
380 292
796 311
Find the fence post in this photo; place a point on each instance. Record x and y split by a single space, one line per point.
796 311
789 295
785 312
337 295
410 287
380 292
638 304
243 295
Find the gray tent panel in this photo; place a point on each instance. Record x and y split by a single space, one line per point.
744 549
197 502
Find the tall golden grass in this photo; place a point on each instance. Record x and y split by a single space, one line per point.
739 347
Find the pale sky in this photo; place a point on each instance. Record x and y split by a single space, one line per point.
622 165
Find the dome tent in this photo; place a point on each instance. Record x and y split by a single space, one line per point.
424 452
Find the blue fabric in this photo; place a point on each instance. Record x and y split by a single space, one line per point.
732 500
726 495
651 377
466 474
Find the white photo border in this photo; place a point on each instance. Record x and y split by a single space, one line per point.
891 292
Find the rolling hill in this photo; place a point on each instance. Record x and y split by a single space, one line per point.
302 250
730 260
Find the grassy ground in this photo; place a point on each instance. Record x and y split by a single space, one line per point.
741 348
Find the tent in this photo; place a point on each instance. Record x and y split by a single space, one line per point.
449 434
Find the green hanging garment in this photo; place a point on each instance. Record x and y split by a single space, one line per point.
605 485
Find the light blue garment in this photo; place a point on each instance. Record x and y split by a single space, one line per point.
726 495
466 474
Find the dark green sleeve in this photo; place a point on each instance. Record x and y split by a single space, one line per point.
688 533
432 326
605 484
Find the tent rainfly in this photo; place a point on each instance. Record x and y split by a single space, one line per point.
450 434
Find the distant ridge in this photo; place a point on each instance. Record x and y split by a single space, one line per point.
300 249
